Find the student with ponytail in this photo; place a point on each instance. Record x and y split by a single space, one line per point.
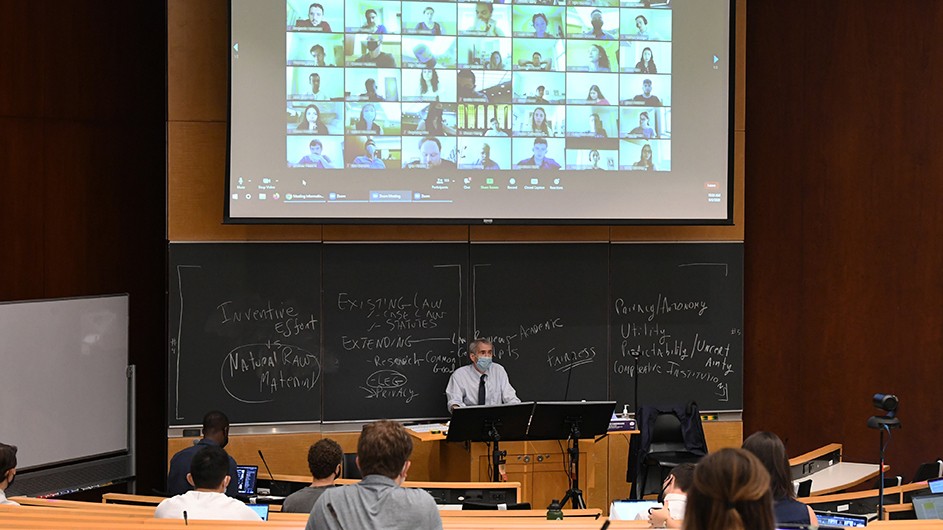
730 491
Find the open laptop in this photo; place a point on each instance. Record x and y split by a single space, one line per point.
935 485
928 506
261 509
245 479
848 520
631 510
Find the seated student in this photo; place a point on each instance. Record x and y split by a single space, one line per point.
325 458
596 32
539 160
208 475
215 433
370 23
674 491
378 501
429 25
370 91
646 97
730 491
315 19
7 471
315 157
430 155
644 130
536 62
369 160
317 52
485 161
495 62
466 87
494 128
539 96
771 452
432 122
484 24
375 56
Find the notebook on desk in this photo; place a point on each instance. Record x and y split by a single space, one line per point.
245 479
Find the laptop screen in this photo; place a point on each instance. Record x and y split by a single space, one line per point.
631 510
245 478
936 485
928 506
841 519
261 509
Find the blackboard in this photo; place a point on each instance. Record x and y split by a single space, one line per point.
544 308
244 332
678 310
394 328
375 330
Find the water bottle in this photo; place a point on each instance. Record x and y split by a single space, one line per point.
555 511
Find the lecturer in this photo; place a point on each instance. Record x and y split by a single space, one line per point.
482 382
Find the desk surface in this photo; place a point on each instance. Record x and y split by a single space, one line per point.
841 476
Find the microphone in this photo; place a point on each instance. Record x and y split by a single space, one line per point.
276 489
185 521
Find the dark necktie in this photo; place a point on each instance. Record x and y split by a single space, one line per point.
481 389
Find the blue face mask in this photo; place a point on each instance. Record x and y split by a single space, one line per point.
484 363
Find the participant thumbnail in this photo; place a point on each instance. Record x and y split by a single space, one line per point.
644 57
646 24
373 152
592 121
539 22
379 51
484 153
317 118
592 88
540 2
372 16
315 84
592 55
484 53
373 118
539 54
539 120
538 153
477 86
645 122
429 52
645 90
319 17
430 152
645 155
597 23
592 154
544 88
484 119
484 19
319 152
429 84
594 3
428 18
314 49
424 119
372 84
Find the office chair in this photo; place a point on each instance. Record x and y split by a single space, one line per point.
350 469
928 470
666 450
889 482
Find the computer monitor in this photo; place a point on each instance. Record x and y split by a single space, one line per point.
928 506
245 478
936 485
847 520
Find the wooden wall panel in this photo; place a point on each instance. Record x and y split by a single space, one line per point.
198 60
20 73
21 214
843 287
82 173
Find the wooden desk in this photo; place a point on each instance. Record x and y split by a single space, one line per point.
841 476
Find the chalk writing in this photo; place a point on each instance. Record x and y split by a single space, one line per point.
388 384
564 361
662 306
256 373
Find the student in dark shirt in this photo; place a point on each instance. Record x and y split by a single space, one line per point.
772 453
215 432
